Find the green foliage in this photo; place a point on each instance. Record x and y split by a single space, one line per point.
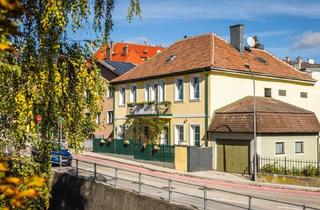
42 73
21 186
305 171
133 129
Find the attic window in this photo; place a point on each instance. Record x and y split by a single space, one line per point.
171 58
261 60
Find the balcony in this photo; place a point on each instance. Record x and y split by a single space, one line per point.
150 109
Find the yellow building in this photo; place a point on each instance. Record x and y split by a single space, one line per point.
189 81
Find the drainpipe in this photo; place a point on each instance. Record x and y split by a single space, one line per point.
113 106
206 106
254 125
318 154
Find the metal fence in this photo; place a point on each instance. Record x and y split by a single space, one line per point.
163 153
288 166
174 191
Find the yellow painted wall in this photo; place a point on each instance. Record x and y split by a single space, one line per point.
181 158
188 112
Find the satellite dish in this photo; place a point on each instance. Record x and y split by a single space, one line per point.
251 42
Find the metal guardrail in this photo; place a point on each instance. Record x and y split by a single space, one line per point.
170 190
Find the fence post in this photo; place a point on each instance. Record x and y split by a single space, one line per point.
115 177
139 183
77 167
285 165
249 202
304 207
162 152
170 190
60 163
94 171
205 197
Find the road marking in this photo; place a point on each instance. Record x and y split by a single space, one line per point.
288 207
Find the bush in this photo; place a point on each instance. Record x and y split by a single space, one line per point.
306 171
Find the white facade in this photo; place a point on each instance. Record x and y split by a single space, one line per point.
226 88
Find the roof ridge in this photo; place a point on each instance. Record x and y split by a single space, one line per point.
213 51
192 37
269 53
222 39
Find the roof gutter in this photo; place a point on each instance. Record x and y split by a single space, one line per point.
208 68
261 75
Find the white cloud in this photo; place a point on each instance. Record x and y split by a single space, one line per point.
308 40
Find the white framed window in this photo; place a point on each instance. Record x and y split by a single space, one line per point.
299 147
133 94
161 91
121 131
195 88
98 119
109 92
195 135
267 92
152 92
303 95
109 117
122 96
146 92
282 93
179 134
145 131
280 148
179 89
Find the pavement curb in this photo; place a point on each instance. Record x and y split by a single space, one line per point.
276 186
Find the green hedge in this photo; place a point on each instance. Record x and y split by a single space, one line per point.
304 171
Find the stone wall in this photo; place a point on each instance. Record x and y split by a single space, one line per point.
72 193
291 180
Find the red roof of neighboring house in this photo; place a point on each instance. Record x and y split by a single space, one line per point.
209 51
273 116
136 53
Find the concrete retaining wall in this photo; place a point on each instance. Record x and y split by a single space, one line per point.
72 193
293 180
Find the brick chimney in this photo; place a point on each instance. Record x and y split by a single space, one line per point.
288 59
298 62
237 36
109 51
125 50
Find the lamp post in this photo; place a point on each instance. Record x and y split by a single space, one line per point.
254 124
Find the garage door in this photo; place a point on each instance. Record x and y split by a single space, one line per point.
233 156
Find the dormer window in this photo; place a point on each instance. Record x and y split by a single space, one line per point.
171 58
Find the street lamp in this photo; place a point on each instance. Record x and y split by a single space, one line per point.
254 124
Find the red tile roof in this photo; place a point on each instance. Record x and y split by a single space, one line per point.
137 53
273 116
211 51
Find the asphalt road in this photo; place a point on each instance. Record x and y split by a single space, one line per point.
155 183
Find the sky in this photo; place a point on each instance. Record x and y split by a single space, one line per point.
285 27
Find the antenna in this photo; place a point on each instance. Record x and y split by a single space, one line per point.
251 42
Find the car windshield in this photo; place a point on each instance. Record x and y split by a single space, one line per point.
55 147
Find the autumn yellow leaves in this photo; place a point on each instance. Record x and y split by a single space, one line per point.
15 191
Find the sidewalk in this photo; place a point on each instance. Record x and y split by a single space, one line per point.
214 175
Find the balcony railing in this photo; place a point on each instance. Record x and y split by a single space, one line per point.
149 108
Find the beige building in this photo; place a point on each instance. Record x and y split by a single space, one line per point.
188 82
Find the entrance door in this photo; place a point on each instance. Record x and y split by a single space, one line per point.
233 156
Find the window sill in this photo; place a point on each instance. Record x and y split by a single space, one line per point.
122 105
194 100
178 101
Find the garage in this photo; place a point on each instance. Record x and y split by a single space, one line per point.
233 156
